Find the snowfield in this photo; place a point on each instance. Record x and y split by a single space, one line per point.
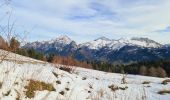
82 84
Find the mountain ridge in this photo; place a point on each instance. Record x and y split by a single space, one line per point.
104 49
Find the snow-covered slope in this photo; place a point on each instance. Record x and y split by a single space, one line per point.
82 84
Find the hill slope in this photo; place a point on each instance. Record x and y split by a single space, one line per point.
16 73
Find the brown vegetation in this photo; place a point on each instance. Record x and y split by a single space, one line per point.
165 81
152 71
70 61
37 86
165 91
146 82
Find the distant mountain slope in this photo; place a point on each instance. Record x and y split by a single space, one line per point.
104 49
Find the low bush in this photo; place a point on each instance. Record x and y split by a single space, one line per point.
113 87
165 81
146 82
58 82
69 69
84 78
62 92
56 75
0 85
67 89
8 92
123 88
162 92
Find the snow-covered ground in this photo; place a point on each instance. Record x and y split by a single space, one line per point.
82 84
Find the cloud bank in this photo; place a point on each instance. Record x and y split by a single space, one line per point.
84 20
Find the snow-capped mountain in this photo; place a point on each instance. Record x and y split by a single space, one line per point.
117 44
145 42
104 49
97 43
58 44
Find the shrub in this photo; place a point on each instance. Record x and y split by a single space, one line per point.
67 89
0 85
84 78
162 92
90 85
58 82
8 92
123 88
165 81
69 69
37 86
56 75
146 82
62 92
113 87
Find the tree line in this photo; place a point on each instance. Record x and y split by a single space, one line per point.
160 68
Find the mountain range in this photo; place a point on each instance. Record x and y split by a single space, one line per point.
104 49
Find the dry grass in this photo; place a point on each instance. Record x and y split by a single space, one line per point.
61 92
58 82
55 74
165 81
84 78
7 93
123 88
101 92
146 82
90 85
113 87
70 69
165 91
37 86
0 85
18 95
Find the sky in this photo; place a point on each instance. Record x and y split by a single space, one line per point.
85 20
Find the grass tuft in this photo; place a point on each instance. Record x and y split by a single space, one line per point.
164 82
162 92
113 87
84 78
0 85
37 86
146 82
62 92
56 75
58 82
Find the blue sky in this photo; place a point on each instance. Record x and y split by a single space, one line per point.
85 20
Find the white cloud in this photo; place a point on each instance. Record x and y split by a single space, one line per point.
77 18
